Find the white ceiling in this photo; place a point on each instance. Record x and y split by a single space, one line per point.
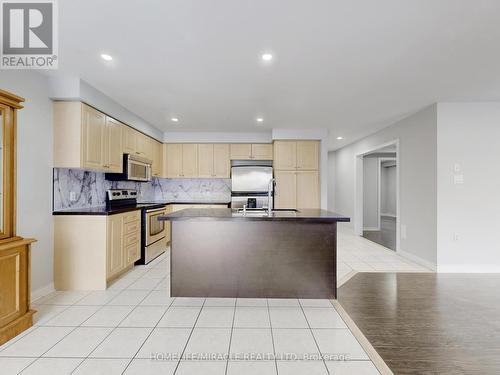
350 66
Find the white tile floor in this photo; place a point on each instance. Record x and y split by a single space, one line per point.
117 331
357 254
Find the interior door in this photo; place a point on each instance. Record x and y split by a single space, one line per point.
205 160
308 189
285 195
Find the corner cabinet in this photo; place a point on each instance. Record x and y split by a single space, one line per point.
92 250
86 138
16 314
296 169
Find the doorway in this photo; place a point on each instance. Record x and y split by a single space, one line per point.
377 195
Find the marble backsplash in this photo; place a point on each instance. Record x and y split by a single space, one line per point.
90 189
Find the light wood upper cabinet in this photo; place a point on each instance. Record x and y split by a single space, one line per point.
92 146
285 195
181 160
285 155
213 160
222 162
205 160
251 151
307 189
157 166
308 155
262 151
173 160
113 150
144 146
189 160
293 155
129 140
241 151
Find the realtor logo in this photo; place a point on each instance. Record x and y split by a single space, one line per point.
29 34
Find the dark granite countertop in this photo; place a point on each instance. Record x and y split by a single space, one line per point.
207 214
104 210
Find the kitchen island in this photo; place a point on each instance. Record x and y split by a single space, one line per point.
226 253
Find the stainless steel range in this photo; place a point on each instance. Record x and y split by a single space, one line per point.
154 232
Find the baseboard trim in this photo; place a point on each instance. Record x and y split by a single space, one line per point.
473 268
371 229
416 259
41 292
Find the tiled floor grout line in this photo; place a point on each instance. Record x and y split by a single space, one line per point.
156 325
272 335
110 332
231 337
314 338
189 337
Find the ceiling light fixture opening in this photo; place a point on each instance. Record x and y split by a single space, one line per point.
106 57
267 56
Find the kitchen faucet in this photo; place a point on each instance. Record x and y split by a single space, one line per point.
270 189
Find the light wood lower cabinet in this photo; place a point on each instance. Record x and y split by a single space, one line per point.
90 251
297 189
15 312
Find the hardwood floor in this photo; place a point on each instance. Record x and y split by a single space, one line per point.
428 323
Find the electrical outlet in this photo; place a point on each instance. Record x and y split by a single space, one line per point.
403 231
72 196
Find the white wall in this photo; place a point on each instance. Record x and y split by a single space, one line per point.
370 194
388 193
417 135
469 213
34 170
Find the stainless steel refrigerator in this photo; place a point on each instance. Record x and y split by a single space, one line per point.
250 183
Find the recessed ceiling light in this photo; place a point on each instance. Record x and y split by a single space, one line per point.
340 138
106 57
259 119
267 56
174 119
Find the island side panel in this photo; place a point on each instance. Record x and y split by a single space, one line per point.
253 259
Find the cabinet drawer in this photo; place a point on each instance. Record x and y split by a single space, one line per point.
132 227
131 216
132 239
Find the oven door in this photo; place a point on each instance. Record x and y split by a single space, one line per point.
155 229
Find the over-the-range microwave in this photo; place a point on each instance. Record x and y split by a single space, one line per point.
135 168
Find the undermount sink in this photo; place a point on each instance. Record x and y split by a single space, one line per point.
262 211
